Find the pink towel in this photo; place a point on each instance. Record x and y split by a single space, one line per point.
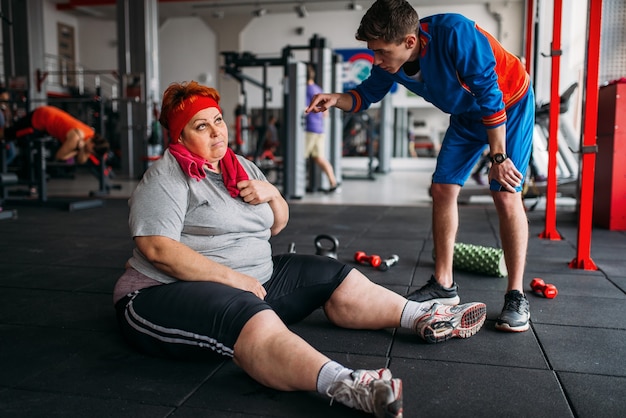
193 166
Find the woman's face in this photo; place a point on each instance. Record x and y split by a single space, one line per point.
206 135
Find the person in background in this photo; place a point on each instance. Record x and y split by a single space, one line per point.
315 137
78 140
202 280
461 69
240 142
6 121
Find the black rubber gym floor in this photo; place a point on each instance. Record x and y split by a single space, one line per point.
61 355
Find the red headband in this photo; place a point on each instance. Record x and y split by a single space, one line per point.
178 118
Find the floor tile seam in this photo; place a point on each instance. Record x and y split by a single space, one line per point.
547 357
470 363
616 285
392 341
78 290
561 295
595 327
87 396
564 392
194 390
420 264
334 354
60 327
618 376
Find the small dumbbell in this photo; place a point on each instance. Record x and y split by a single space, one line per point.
373 260
388 262
548 291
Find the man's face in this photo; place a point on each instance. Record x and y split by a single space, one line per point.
391 56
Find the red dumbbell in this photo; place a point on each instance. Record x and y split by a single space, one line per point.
372 260
548 291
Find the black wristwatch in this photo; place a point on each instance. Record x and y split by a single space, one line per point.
499 158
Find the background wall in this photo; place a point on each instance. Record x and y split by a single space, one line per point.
187 51
189 48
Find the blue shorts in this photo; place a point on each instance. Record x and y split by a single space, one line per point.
466 139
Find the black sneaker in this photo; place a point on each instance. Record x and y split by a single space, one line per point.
436 293
515 313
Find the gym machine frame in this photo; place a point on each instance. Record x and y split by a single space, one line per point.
233 64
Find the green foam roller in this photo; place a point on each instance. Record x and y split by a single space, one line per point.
479 259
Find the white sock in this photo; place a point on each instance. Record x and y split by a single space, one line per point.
330 373
413 310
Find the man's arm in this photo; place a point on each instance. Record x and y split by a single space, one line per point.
324 101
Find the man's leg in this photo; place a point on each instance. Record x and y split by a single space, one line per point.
445 216
514 237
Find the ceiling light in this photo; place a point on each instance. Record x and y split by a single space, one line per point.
301 11
354 6
259 12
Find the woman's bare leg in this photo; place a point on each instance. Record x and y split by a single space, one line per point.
361 304
276 357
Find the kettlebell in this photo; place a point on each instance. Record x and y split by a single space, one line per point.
327 251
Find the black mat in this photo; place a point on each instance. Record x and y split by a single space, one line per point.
61 354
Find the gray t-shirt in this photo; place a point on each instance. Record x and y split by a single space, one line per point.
203 216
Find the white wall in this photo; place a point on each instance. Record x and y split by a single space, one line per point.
267 36
190 47
51 18
572 61
99 53
187 51
97 44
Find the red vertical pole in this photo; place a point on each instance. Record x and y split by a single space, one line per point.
550 231
530 20
589 144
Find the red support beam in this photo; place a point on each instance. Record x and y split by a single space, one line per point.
589 143
530 22
550 231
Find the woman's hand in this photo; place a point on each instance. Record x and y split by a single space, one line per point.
256 192
249 284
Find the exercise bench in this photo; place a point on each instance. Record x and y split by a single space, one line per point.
36 149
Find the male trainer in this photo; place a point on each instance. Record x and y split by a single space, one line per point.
461 69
